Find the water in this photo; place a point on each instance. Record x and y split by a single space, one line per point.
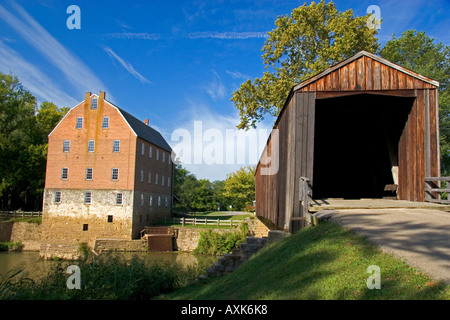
34 266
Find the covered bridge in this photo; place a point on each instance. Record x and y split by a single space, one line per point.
360 129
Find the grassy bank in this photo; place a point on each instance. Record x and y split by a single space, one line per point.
106 277
323 262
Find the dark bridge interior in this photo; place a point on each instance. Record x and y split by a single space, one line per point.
356 144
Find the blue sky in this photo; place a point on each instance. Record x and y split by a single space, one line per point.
173 62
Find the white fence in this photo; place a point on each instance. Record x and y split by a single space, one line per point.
202 221
17 214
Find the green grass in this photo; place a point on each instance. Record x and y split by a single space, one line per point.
37 220
322 262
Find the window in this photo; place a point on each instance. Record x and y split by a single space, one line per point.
85 227
150 152
119 198
142 175
142 199
58 197
143 149
164 156
156 179
162 181
88 173
168 182
87 197
94 103
64 173
91 145
170 159
105 124
66 147
79 123
116 146
110 218
115 174
167 201
157 154
159 200
151 201
149 177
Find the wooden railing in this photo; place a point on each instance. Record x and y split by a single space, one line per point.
305 197
15 214
433 190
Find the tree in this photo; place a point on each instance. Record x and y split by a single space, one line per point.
23 144
239 188
420 53
310 40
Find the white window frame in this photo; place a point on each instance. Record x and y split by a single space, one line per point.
91 146
87 197
119 198
91 172
94 106
117 174
116 146
105 123
64 172
79 123
151 200
66 146
58 196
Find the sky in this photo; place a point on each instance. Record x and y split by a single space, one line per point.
174 62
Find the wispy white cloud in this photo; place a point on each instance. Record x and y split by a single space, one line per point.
191 35
237 75
134 35
77 73
126 65
32 78
215 88
227 35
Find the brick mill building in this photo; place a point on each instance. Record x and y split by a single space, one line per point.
108 176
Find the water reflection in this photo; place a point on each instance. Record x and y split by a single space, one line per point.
34 266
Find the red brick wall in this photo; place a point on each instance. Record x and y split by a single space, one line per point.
102 160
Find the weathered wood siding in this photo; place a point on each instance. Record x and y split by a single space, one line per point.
277 195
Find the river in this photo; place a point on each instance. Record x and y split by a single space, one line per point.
34 266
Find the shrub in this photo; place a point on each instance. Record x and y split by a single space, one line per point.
216 243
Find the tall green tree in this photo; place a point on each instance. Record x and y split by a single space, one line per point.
422 54
239 188
307 42
23 144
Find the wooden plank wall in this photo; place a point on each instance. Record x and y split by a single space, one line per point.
277 195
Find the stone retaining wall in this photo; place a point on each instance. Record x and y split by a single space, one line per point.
29 234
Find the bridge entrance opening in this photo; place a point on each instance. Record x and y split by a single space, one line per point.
356 145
